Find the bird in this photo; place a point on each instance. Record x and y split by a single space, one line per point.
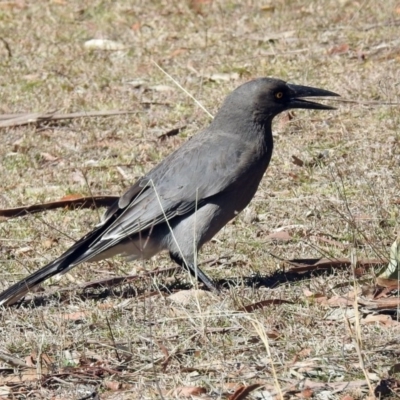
183 202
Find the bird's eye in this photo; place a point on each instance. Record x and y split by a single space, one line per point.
278 95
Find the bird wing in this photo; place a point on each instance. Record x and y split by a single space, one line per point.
178 185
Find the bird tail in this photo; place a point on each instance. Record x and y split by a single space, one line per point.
81 251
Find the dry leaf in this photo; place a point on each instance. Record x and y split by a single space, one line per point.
281 236
304 353
30 362
72 196
392 284
186 297
136 26
274 334
340 301
340 49
177 52
113 385
231 385
48 157
381 304
380 318
104 44
264 303
187 391
75 316
223 77
297 161
26 376
244 391
18 4
268 8
347 397
198 5
306 393
49 243
23 250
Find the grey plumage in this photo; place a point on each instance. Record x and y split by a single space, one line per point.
195 191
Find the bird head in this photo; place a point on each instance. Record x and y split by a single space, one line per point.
272 96
260 100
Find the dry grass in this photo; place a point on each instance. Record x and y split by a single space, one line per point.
150 344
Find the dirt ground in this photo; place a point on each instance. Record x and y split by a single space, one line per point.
332 191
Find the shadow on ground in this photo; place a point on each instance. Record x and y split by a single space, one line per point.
123 291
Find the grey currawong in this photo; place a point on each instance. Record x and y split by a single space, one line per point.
189 196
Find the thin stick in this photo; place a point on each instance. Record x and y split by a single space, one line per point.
184 90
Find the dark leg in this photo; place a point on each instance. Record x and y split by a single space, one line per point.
195 272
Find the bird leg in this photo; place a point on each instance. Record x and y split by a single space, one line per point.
195 271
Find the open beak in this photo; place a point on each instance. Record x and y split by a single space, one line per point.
298 92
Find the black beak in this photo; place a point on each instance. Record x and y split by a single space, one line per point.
297 92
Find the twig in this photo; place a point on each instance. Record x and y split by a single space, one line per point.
14 361
184 90
11 120
82 202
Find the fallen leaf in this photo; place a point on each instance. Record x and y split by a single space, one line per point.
340 49
177 52
306 393
48 243
244 391
26 376
170 133
347 397
113 385
392 284
264 303
381 304
340 301
297 161
198 5
48 157
186 297
187 391
267 8
281 236
13 4
161 88
79 315
23 250
30 362
304 353
136 26
274 334
231 385
380 318
72 196
104 44
223 77
47 359
313 264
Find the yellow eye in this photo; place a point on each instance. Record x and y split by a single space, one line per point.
278 95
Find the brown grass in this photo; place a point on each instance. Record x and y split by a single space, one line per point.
151 345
